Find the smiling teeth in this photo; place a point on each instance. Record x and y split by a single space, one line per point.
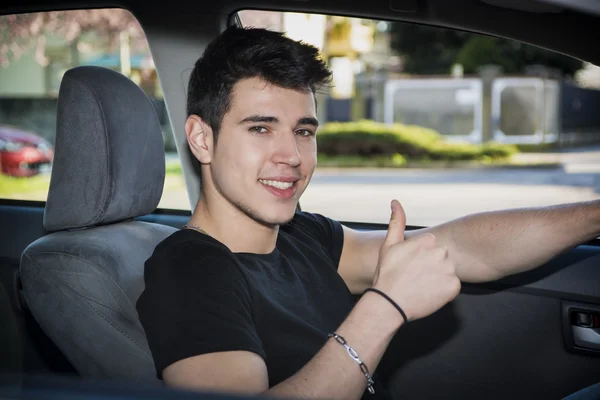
277 184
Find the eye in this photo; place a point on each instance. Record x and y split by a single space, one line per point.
304 132
258 129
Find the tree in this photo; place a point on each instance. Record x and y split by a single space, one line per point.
514 57
20 32
426 50
433 50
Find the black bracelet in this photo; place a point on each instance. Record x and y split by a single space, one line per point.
388 298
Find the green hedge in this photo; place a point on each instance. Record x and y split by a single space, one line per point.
372 139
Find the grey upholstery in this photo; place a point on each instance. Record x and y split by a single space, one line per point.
82 280
109 159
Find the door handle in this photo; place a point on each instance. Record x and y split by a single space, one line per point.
588 338
581 327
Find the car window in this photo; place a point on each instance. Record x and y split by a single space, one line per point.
450 123
35 51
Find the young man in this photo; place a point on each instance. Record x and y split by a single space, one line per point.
254 297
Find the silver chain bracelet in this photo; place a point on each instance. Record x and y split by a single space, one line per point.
354 355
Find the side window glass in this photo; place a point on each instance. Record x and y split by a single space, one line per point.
35 51
448 122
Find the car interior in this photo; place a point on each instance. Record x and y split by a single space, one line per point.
71 267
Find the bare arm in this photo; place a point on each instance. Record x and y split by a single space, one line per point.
485 246
496 244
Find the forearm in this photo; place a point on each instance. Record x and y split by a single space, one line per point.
491 245
331 373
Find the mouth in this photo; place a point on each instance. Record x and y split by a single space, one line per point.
283 189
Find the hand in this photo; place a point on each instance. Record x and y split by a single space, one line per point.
417 274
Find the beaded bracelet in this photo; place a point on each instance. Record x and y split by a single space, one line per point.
354 355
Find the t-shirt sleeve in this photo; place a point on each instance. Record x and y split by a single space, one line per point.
325 231
195 302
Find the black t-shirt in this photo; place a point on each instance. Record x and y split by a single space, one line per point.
202 298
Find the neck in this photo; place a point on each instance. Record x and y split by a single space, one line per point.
232 227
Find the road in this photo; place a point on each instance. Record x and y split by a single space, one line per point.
434 196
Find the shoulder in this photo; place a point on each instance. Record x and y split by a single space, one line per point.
185 242
188 269
188 245
189 256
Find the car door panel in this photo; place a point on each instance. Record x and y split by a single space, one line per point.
488 344
506 339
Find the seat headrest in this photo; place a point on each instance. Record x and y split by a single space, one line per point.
109 162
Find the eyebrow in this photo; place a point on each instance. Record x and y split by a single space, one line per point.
275 120
308 121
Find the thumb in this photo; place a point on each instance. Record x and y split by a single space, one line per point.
395 233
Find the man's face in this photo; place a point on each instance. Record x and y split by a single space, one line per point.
266 150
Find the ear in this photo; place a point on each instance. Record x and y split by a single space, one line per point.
200 138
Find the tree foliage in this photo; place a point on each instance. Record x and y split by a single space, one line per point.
426 50
432 50
514 57
20 32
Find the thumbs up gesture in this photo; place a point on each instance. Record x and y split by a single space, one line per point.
397 226
417 274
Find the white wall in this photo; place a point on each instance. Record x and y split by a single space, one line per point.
23 78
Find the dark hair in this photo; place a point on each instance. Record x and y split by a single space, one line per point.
240 53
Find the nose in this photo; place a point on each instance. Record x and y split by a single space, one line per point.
286 150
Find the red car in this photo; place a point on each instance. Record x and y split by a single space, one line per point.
24 153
